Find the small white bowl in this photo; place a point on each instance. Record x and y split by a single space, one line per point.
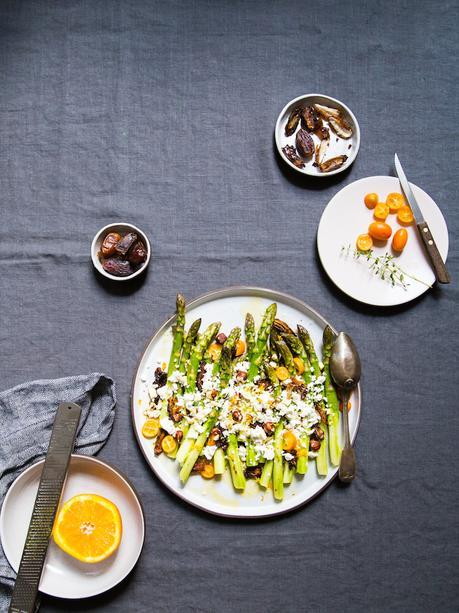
121 228
335 148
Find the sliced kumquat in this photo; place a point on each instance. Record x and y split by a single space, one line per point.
299 365
282 373
381 211
88 527
214 351
168 444
371 200
150 428
405 215
208 472
289 441
395 201
240 348
364 242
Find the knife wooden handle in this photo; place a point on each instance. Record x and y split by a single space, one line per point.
441 273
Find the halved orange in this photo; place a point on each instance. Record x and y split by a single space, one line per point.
88 527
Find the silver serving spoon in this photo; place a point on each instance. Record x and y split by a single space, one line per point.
345 369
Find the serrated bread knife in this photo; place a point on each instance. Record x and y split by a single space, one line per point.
44 511
439 268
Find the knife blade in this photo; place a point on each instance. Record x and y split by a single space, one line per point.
44 511
439 268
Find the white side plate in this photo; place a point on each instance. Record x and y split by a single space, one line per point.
217 495
346 216
64 576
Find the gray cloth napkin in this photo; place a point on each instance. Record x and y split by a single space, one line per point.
27 413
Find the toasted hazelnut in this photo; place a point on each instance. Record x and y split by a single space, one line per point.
268 427
237 415
314 445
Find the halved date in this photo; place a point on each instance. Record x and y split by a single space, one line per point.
123 246
117 267
293 121
310 119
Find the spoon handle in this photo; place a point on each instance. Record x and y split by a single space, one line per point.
347 463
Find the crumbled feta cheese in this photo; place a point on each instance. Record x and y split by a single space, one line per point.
167 425
288 456
209 451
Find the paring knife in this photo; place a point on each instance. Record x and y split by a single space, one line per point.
441 273
46 502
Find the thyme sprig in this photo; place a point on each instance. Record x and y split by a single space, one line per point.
384 266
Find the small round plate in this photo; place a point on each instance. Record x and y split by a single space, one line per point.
64 576
218 496
338 146
346 216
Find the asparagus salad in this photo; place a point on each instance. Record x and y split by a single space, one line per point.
265 407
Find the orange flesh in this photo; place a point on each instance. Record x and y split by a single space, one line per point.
88 527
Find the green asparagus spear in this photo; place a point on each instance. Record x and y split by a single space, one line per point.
278 470
188 344
332 399
296 346
286 355
177 331
249 333
196 449
306 340
321 459
204 340
235 462
272 376
261 342
224 364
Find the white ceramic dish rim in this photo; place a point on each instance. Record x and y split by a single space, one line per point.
94 250
346 291
305 171
111 468
208 297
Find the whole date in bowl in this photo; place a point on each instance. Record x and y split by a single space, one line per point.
122 229
338 147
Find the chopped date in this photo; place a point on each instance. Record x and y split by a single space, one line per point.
253 472
160 377
292 155
304 144
200 375
116 267
126 243
159 440
221 338
109 243
138 253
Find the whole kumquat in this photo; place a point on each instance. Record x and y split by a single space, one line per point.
371 200
379 230
399 240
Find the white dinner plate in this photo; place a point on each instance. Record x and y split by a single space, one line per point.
64 576
218 495
346 216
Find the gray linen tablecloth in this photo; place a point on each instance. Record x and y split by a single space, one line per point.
162 114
